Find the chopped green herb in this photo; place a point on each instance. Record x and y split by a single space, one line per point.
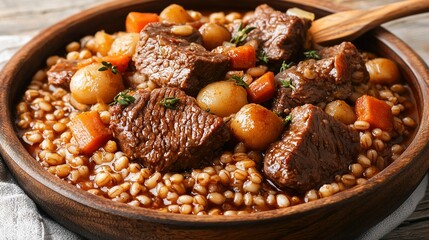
207 110
312 54
169 102
239 81
108 65
288 119
285 66
262 56
287 83
241 34
123 98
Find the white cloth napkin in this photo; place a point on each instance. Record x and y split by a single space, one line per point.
399 215
20 218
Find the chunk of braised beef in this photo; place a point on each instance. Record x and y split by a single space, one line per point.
355 60
280 36
177 61
167 139
315 81
314 149
61 73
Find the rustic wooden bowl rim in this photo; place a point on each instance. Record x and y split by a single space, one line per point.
11 146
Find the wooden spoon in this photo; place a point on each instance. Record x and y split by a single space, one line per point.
348 25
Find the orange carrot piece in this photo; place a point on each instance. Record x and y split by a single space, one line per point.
136 21
89 131
374 111
121 62
262 89
242 57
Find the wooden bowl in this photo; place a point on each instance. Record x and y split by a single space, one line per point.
343 215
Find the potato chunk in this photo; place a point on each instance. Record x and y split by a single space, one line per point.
256 126
383 71
90 85
124 45
175 14
222 98
214 35
341 111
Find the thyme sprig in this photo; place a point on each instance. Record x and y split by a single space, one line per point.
262 56
288 119
169 102
312 54
239 81
123 98
285 66
287 83
241 34
108 65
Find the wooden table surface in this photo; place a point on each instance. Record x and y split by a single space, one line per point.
22 19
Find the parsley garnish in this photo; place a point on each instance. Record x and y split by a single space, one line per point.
241 34
312 54
288 119
169 102
262 56
285 66
239 81
108 65
287 83
123 98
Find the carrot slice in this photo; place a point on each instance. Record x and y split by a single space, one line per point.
262 89
89 131
136 21
374 111
121 62
242 57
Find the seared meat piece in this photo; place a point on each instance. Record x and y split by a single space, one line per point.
279 35
166 139
359 74
61 73
312 151
314 81
177 61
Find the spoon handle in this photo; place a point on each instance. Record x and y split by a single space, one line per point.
349 25
393 11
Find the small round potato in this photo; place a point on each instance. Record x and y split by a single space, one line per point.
175 14
124 45
222 98
383 71
103 42
214 35
256 126
341 111
89 85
